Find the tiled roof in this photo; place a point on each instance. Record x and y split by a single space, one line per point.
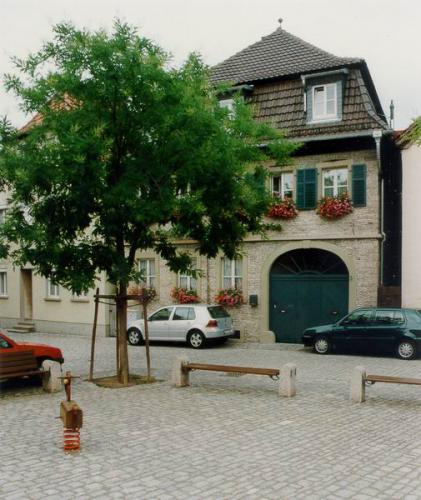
281 104
276 55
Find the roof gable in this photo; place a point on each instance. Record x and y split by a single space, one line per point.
276 55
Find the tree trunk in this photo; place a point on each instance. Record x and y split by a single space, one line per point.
123 355
148 353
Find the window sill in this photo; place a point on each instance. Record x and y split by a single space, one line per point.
4 297
52 299
79 300
324 121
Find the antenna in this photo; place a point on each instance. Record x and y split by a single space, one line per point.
392 114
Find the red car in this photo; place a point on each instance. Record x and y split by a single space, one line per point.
41 351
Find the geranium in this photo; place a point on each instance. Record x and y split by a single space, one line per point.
183 296
334 207
143 294
230 297
282 208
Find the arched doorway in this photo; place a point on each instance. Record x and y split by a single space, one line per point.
308 287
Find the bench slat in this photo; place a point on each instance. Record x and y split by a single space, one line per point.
271 372
18 364
393 380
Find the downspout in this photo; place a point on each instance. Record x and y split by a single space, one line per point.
377 136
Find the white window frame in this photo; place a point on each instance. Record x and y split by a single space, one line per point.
282 176
3 283
228 104
82 297
335 186
3 211
325 116
191 281
53 290
150 279
232 276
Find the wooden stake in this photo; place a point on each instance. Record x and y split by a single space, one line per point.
91 369
148 354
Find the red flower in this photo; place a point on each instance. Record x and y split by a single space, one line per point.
230 297
282 208
183 296
334 207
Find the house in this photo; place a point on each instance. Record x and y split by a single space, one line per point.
315 269
411 208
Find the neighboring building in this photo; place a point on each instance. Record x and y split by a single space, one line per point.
314 270
411 233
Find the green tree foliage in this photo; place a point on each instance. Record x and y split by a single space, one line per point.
126 153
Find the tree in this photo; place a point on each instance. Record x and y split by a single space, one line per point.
125 154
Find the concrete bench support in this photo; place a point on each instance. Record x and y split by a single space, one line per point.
180 377
358 384
50 379
287 380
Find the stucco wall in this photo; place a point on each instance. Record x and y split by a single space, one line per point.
411 229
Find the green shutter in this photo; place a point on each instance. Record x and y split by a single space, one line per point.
359 185
306 188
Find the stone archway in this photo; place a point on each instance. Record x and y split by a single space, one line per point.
304 283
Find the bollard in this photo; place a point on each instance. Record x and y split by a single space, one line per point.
287 381
180 377
358 384
51 381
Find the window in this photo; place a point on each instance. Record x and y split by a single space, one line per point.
3 284
4 344
358 317
53 291
335 182
184 313
227 104
232 273
188 282
162 314
83 296
282 185
147 268
325 102
389 317
2 215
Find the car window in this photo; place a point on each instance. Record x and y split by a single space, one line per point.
4 344
218 312
162 314
192 313
389 317
358 317
181 313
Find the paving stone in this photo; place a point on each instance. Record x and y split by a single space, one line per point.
223 437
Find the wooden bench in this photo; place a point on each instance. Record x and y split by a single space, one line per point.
360 380
19 364
286 375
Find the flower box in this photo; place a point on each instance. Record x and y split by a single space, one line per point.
334 207
283 208
231 297
183 296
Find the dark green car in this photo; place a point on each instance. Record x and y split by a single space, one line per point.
370 329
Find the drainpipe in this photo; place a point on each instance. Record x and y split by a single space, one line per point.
377 136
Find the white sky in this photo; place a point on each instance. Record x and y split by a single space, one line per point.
383 32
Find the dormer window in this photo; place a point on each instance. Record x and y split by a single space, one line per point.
228 104
325 102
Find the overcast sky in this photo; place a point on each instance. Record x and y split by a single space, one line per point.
383 32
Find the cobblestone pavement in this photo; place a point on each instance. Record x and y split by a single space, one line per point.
224 437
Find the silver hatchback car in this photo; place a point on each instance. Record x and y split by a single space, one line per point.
191 323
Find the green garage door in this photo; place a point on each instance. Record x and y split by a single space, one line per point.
307 288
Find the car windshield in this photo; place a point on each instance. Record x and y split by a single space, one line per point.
218 312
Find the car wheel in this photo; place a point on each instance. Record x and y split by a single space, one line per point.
196 339
322 345
406 350
134 336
